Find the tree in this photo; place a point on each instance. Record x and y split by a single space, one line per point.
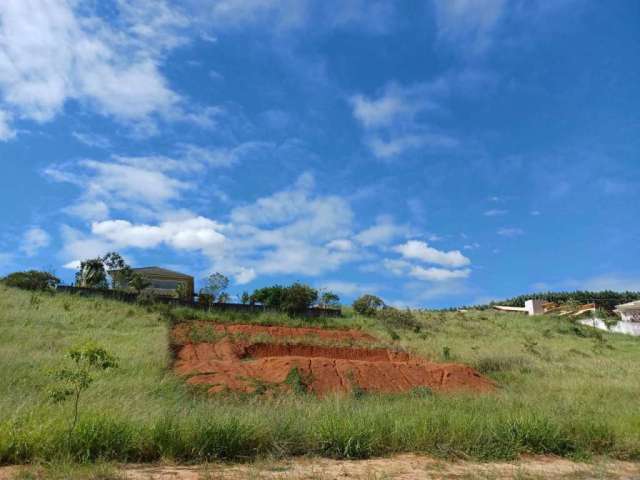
71 381
271 297
329 299
245 298
181 291
224 297
92 274
368 304
32 280
138 282
215 284
298 298
118 270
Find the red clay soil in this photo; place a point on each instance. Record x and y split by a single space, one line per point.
235 365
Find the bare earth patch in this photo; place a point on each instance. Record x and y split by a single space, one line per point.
230 360
403 467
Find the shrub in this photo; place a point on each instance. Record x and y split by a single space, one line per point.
298 298
395 318
368 305
32 280
269 296
294 299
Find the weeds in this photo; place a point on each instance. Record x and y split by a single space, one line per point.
141 412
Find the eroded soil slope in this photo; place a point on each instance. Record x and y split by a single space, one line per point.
247 358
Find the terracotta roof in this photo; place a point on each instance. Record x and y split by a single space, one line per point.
161 271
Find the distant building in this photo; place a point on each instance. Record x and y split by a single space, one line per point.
629 312
164 282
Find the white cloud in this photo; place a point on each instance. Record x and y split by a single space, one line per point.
133 184
433 274
56 51
341 244
390 122
92 139
382 233
468 25
394 103
196 233
418 250
6 132
495 212
222 156
510 232
399 144
34 240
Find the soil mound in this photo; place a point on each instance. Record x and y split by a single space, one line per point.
232 363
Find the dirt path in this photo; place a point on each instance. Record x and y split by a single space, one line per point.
403 467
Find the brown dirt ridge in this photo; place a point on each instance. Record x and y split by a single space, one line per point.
232 362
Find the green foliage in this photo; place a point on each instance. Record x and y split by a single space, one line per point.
182 292
367 305
118 270
142 412
293 300
32 280
298 382
146 298
215 285
86 360
395 318
271 297
138 282
92 274
298 298
329 300
245 298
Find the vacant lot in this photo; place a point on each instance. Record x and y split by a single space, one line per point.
563 389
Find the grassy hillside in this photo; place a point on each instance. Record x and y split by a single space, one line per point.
564 389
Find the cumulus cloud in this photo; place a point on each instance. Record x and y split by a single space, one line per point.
34 240
197 233
433 274
418 250
414 251
56 51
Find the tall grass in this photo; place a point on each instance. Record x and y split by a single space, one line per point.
574 394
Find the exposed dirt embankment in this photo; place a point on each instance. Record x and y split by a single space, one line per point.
233 362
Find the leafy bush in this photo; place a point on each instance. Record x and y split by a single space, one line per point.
32 280
395 318
294 299
269 296
298 298
368 305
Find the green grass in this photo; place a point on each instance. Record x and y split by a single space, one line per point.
564 390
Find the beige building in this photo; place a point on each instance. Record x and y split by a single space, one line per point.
629 312
164 282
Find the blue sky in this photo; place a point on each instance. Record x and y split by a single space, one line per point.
435 153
